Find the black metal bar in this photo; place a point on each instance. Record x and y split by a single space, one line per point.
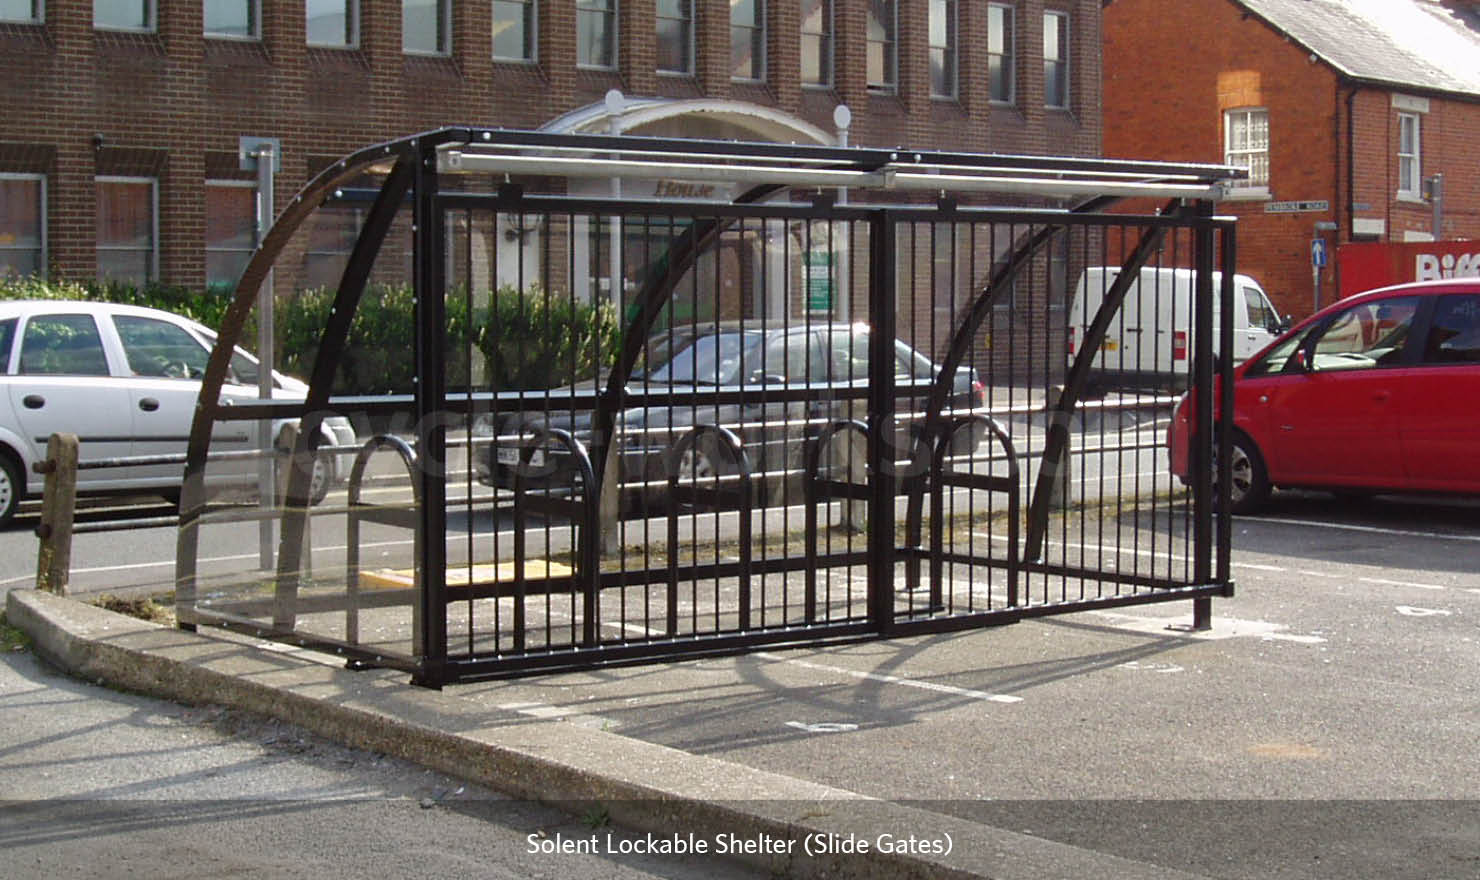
1053 458
881 289
429 248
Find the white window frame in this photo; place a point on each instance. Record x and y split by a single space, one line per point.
607 9
231 184
1062 22
38 14
1252 187
98 247
689 65
949 49
891 56
352 41
825 41
150 25
1410 186
1008 54
755 28
444 35
255 7
531 19
40 180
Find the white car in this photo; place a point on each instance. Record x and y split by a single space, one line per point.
125 380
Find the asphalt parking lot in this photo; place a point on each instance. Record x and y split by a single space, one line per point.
1324 728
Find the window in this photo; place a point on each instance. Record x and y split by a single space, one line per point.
943 48
675 36
62 345
817 45
233 19
514 30
123 15
128 230
1055 59
231 231
883 43
7 333
22 224
1364 336
748 40
333 23
158 348
596 33
1261 313
426 27
1246 144
21 10
1454 337
331 238
1410 168
1001 54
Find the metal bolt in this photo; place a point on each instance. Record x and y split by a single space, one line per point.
43 531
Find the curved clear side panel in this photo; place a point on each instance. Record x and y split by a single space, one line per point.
327 556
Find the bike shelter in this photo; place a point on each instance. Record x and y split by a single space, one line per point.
788 396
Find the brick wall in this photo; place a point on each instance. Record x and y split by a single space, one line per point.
177 92
1164 99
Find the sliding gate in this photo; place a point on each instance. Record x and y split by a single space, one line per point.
846 397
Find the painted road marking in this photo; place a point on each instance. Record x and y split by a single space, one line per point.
1223 628
1411 611
236 558
1367 529
823 726
1388 583
547 712
893 679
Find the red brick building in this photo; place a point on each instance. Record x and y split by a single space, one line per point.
1342 110
120 152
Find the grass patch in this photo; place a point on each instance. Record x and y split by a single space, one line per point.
143 607
12 639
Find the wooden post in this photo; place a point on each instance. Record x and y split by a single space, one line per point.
58 504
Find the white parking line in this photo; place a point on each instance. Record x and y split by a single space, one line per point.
1388 583
1375 530
893 679
170 563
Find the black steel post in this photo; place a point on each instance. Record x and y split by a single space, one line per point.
1202 386
881 419
431 430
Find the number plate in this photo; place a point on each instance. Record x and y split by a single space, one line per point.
509 455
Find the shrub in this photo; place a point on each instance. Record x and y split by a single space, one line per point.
528 341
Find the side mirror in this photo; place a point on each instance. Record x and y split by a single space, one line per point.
1304 363
1285 323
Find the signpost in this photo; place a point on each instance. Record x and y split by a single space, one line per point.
264 156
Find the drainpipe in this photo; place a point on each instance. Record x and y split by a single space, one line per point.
1351 162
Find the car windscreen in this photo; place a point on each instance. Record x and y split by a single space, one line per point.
704 359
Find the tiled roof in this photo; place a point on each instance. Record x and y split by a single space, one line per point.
1417 44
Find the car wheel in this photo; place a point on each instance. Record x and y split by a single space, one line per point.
322 479
1248 481
12 487
702 461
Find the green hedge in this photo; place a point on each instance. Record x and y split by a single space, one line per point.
528 341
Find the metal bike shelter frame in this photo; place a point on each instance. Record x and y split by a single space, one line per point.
413 168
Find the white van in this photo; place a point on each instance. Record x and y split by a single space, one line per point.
1148 342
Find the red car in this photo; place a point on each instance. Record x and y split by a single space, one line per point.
1377 392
